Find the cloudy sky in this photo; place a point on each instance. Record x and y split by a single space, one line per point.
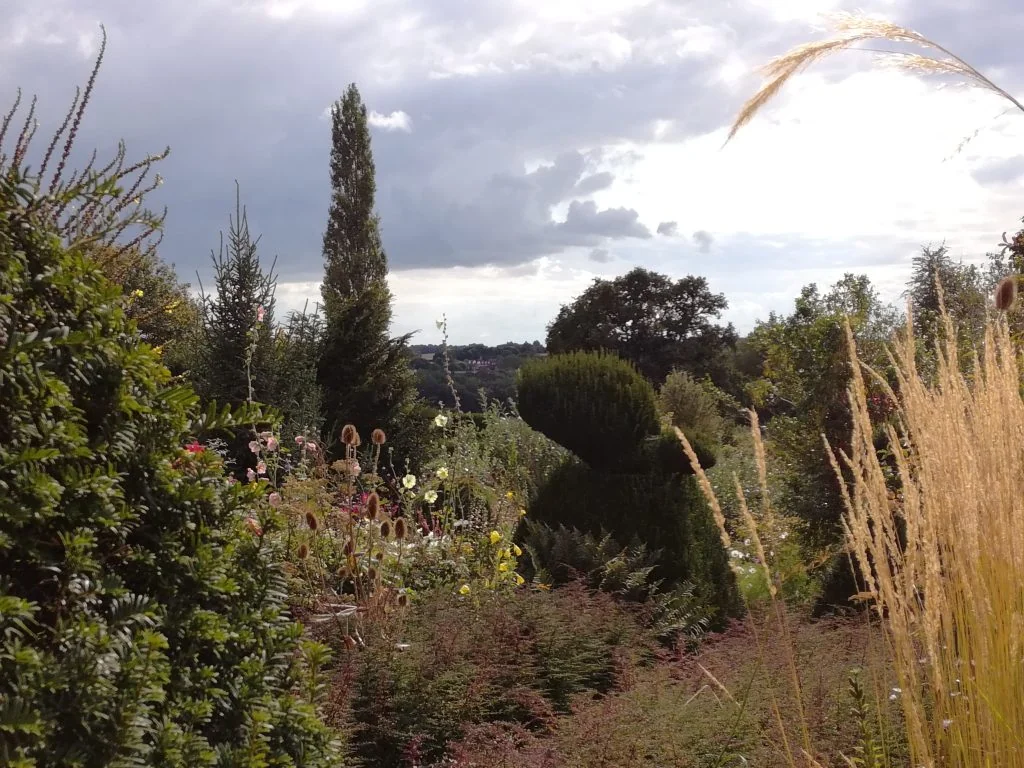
524 147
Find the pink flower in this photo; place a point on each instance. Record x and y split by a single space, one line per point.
299 439
259 314
261 468
275 500
253 525
272 444
194 447
254 446
311 445
251 475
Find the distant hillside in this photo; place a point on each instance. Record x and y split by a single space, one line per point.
474 366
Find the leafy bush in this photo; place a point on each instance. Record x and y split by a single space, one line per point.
695 406
596 405
139 625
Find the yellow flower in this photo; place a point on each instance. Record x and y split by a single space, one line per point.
503 554
137 293
522 513
503 567
495 537
442 473
159 350
464 589
517 550
510 495
520 580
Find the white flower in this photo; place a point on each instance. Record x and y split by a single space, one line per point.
737 554
442 473
439 323
409 481
440 420
430 497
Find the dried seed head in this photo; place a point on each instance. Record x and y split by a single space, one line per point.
303 551
1006 292
379 556
357 441
350 547
372 573
385 529
378 437
349 434
373 506
400 528
312 521
403 600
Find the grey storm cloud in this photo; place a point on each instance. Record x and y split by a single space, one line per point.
600 255
668 228
703 240
240 94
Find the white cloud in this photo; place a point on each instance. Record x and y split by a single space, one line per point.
867 156
396 121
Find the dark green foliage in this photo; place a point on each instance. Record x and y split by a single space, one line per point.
489 659
140 625
665 453
560 556
297 346
231 373
963 296
236 354
594 404
634 482
655 322
666 512
364 374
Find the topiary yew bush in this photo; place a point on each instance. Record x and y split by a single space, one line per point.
139 624
633 480
595 404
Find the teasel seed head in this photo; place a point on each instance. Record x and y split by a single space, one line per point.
400 528
403 600
1006 292
303 551
371 573
378 437
349 434
385 529
312 521
349 548
372 505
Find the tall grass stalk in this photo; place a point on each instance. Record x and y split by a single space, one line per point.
953 596
943 552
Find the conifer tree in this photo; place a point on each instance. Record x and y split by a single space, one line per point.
364 373
237 354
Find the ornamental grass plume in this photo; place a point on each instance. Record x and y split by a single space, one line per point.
951 596
848 31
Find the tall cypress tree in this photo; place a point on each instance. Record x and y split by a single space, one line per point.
364 373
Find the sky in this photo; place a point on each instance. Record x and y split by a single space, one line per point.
526 147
